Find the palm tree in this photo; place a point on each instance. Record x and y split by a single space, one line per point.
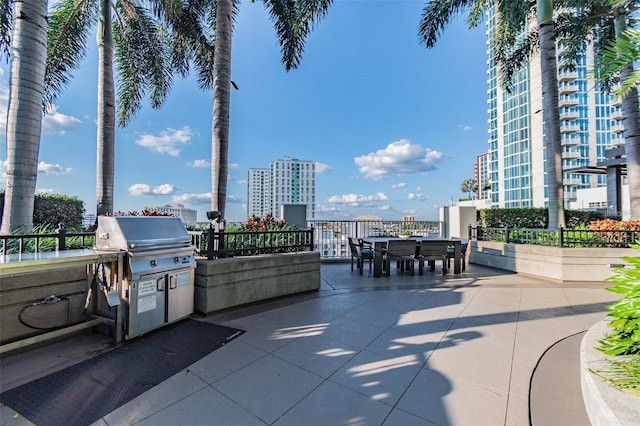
604 23
513 17
293 20
27 54
469 186
141 61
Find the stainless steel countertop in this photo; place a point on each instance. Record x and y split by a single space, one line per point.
27 262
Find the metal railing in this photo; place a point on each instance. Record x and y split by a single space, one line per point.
563 238
330 238
61 239
215 245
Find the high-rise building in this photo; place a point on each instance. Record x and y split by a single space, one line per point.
259 192
293 182
590 123
287 181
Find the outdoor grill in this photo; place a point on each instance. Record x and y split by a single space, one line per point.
159 269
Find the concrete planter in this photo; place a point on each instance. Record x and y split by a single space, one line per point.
606 405
562 264
224 283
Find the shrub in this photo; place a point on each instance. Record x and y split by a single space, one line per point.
624 338
532 218
53 209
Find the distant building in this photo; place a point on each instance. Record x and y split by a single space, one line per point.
408 218
482 177
188 216
259 192
364 217
287 181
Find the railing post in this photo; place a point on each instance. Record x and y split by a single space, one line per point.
470 229
561 237
61 242
311 239
506 234
210 242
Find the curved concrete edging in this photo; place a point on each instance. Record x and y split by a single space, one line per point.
606 405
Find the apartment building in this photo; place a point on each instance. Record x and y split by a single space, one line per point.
287 181
591 123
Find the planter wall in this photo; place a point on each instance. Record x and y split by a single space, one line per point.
562 264
224 283
605 405
23 289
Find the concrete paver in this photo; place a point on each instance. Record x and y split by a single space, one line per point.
399 350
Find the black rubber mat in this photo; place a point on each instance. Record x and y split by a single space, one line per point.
85 392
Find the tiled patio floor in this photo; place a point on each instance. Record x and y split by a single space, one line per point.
399 350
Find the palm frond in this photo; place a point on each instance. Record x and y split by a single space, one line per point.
621 53
437 14
6 18
293 21
69 25
142 59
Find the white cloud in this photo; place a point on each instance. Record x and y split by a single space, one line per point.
321 167
416 197
199 163
3 168
203 198
53 169
142 189
233 165
234 199
168 142
400 158
385 207
57 123
465 127
398 185
46 191
356 199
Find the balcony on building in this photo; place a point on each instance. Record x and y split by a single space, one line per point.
572 181
616 140
569 114
567 101
616 101
616 114
569 139
567 87
569 128
617 128
570 154
567 75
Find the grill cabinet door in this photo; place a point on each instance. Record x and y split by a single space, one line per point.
180 297
146 304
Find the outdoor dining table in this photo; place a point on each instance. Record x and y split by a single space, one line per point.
380 243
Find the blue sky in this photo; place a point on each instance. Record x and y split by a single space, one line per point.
394 127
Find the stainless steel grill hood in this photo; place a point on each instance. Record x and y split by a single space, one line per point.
140 233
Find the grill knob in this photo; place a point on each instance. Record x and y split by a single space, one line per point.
176 260
153 263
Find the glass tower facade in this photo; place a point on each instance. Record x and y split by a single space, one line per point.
590 124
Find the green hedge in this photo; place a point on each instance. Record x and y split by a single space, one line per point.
53 209
532 218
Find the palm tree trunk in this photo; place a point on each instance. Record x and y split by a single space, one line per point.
221 100
631 122
551 114
106 114
24 116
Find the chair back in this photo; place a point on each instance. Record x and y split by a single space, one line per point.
402 249
433 249
354 247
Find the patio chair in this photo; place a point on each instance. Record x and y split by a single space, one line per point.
463 255
360 253
403 251
432 251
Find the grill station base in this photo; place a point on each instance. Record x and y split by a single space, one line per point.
156 285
